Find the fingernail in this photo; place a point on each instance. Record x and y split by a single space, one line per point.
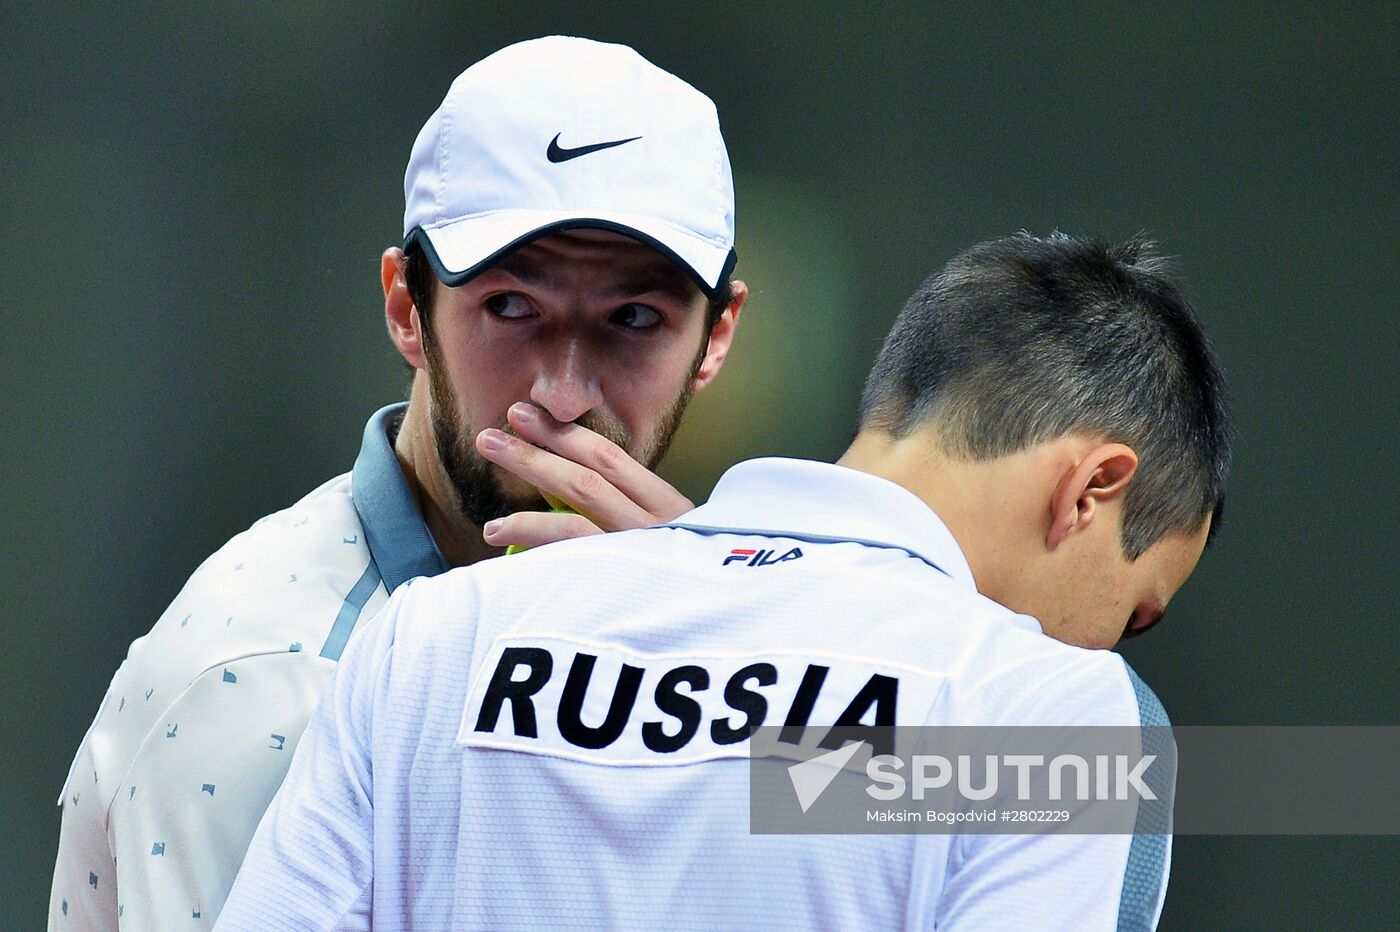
492 526
524 412
493 440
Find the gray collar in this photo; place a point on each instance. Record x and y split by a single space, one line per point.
399 542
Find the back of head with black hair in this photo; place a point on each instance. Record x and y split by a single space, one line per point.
1024 339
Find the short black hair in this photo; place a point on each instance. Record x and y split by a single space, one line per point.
1024 339
420 279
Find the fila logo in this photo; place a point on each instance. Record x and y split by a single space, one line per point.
761 557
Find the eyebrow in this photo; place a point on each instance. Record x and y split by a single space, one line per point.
526 272
665 279
1217 516
674 284
1128 631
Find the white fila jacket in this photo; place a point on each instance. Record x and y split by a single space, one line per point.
560 738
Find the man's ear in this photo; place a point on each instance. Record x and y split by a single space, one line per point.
1102 475
405 326
721 336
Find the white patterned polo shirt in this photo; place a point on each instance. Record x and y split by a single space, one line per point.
199 724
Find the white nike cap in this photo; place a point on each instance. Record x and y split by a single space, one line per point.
560 133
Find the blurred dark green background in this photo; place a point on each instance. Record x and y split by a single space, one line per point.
194 204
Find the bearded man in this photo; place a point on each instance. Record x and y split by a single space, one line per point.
564 281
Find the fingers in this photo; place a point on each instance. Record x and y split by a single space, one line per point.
579 487
534 528
598 454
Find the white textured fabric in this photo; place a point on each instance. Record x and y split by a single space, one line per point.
399 810
199 724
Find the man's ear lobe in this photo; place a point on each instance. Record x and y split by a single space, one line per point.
1101 475
401 317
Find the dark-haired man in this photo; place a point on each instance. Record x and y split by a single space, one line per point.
569 230
563 738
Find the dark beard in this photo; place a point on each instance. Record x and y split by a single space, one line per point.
481 494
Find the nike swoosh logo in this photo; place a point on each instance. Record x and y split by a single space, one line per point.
557 153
